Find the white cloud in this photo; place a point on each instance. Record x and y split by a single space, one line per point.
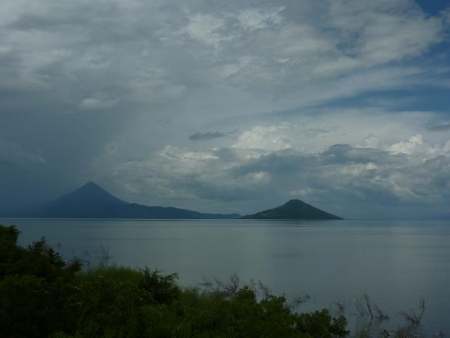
375 165
264 138
384 31
407 147
276 72
254 19
97 103
259 53
207 29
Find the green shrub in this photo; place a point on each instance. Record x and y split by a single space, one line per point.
161 288
41 295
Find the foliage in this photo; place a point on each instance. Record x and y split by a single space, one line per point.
42 295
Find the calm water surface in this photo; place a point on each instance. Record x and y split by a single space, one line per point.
396 263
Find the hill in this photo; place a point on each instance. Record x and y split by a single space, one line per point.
92 201
294 209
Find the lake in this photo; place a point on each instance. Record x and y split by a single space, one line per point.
396 263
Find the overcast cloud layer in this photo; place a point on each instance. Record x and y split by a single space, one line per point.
228 105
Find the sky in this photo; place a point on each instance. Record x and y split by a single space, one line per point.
228 106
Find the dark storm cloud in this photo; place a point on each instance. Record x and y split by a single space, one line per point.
206 136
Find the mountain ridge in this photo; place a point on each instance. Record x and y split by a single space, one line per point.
93 201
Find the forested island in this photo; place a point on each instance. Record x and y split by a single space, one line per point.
294 209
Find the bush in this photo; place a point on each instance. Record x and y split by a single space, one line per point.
37 289
41 295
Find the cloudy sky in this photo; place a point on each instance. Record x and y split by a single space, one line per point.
228 105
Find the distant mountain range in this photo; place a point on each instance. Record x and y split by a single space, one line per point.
92 201
294 209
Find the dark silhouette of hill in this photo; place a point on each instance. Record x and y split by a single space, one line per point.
294 209
92 201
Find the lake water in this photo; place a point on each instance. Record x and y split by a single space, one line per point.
396 263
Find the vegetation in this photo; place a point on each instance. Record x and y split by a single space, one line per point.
42 295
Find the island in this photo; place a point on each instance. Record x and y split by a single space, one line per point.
294 209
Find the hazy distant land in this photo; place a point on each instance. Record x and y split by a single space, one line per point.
92 201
